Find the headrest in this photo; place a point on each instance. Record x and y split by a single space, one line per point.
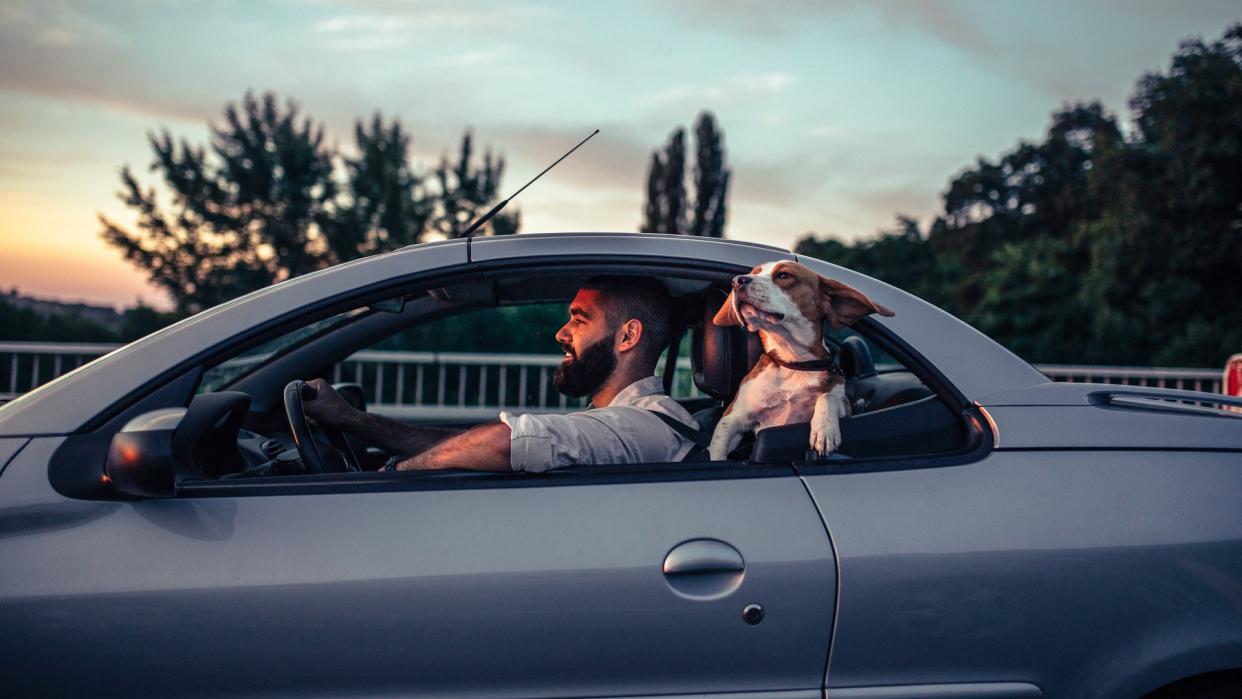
856 361
721 356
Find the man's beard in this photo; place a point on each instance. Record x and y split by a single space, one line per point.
581 375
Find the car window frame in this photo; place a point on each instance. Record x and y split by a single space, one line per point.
190 372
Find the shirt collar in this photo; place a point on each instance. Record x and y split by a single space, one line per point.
642 387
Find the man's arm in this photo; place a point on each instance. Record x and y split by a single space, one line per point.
481 448
329 408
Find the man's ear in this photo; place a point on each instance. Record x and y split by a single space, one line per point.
727 315
629 335
842 304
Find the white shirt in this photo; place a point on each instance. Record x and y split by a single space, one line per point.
624 432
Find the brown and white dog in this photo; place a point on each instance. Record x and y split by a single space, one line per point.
795 380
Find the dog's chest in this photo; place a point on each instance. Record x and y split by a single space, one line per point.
780 397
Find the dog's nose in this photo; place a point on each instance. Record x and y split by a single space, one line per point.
741 280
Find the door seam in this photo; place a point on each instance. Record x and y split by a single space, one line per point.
836 562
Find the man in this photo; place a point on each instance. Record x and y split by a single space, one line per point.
617 329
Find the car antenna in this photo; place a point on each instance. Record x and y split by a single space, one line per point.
496 209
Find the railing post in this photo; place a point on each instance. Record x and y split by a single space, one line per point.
379 382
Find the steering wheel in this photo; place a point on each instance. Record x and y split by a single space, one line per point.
299 426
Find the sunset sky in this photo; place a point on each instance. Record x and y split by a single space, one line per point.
837 115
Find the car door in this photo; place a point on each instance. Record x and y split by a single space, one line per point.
613 583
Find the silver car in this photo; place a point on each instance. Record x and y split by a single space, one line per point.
982 532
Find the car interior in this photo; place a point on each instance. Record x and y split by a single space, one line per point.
246 419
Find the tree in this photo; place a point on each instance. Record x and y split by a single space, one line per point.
666 187
1177 282
1093 245
464 190
250 219
387 208
667 202
901 256
269 201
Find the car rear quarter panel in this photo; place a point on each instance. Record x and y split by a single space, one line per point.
1089 573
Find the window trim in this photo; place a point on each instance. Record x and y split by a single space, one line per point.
71 457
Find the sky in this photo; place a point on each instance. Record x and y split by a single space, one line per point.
837 115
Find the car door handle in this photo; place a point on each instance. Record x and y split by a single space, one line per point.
703 556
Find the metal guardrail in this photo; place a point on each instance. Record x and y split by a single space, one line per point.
28 365
458 385
1206 380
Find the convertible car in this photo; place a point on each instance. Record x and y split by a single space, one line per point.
171 524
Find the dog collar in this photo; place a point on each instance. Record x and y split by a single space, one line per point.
829 364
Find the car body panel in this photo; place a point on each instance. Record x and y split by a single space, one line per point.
9 446
1110 427
955 690
554 591
1062 569
579 245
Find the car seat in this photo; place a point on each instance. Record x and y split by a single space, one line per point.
720 358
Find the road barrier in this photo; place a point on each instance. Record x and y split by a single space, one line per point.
461 385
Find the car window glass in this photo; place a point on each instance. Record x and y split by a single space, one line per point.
464 367
884 362
227 371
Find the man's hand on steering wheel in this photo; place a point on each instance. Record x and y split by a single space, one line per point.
328 408
317 399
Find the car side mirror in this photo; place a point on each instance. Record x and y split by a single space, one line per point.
155 451
140 459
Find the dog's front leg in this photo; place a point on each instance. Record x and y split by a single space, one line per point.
727 435
830 407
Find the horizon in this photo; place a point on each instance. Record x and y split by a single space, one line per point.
837 116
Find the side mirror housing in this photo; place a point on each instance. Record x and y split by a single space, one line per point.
140 459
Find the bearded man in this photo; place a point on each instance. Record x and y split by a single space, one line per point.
617 329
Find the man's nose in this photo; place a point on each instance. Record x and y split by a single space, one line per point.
742 280
561 335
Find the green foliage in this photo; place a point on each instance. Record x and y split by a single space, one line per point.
24 324
513 329
1094 246
667 202
270 200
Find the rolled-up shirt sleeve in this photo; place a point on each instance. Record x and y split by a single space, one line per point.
541 442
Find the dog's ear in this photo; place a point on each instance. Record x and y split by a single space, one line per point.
842 304
727 315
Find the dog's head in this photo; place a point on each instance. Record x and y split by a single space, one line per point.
787 298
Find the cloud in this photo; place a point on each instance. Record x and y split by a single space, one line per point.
738 87
52 50
614 160
471 59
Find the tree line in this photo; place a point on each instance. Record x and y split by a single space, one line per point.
1097 244
267 199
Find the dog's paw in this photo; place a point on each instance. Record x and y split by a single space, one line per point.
825 437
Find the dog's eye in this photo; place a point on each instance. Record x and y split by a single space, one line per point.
783 275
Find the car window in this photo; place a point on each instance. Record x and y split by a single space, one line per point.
464 367
884 362
226 372
446 358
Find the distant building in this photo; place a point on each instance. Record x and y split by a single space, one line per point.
105 316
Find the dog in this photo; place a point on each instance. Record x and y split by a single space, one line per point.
796 379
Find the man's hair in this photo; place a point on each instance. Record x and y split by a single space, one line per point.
641 298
